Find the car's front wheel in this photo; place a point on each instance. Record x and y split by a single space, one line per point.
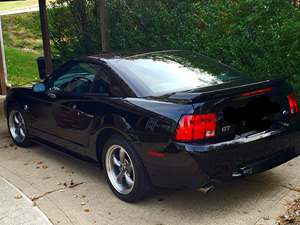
124 170
18 127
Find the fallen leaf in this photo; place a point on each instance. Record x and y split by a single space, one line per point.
87 210
18 196
39 163
44 167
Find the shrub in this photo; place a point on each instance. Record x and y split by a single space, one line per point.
73 28
259 37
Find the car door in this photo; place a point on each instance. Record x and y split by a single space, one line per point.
71 112
66 112
42 121
61 116
80 104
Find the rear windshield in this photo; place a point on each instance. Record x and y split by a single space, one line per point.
169 72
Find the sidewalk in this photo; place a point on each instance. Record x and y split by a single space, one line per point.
17 209
19 11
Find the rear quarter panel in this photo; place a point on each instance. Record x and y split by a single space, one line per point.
147 124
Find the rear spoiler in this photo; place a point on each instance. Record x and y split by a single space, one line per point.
228 91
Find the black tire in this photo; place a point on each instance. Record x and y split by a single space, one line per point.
26 141
142 185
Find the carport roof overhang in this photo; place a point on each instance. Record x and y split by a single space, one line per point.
46 48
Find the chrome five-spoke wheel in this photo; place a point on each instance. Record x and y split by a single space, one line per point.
120 169
17 126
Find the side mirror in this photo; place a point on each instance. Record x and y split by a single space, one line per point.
39 88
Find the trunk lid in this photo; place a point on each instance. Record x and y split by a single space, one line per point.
243 108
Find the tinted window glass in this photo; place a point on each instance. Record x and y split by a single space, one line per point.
106 83
77 79
162 73
102 83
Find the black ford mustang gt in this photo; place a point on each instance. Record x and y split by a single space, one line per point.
168 119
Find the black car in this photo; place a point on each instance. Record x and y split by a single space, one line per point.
171 119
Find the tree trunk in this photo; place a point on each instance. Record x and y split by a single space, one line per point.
45 36
102 14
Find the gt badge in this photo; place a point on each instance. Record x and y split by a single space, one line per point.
226 129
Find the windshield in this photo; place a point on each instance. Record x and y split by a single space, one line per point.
168 72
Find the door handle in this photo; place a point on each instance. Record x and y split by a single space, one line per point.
51 95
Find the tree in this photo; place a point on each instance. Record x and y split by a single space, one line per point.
102 15
46 38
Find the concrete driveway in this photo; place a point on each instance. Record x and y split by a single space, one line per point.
71 191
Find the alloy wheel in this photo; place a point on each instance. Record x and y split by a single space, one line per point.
17 126
120 169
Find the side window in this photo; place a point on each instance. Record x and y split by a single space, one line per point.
106 83
78 78
102 83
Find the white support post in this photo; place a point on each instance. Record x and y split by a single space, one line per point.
3 70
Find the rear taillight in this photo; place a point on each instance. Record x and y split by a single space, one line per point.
293 103
196 127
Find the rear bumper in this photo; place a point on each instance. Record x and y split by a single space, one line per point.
194 166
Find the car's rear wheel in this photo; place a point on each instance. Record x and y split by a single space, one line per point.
18 127
124 170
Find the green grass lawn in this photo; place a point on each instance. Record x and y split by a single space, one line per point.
22 31
21 66
23 44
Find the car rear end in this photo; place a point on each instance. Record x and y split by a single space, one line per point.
233 125
241 130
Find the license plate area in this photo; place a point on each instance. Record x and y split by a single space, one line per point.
254 114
